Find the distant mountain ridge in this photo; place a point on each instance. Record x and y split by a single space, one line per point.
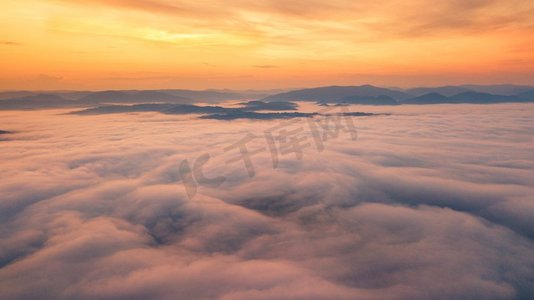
32 100
35 101
335 94
466 97
443 90
370 95
430 98
361 95
210 96
132 97
370 100
452 90
500 89
527 95
477 97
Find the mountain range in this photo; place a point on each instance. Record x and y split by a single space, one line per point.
465 97
60 99
371 95
362 95
132 97
336 94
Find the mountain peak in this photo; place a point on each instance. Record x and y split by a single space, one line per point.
335 94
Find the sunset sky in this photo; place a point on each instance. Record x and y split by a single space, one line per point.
123 44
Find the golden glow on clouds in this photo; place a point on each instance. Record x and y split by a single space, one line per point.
95 44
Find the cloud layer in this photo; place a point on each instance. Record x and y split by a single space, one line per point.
429 202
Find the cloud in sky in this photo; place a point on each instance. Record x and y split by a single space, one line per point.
410 42
9 43
265 66
427 203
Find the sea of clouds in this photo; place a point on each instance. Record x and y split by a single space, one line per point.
429 202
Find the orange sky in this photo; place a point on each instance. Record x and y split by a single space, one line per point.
122 44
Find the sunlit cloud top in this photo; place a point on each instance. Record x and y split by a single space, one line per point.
96 44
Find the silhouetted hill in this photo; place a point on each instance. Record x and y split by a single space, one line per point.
35 101
132 97
482 98
71 95
206 112
335 94
119 96
527 95
210 96
452 90
15 94
430 98
153 107
369 100
169 108
275 105
466 97
250 94
500 89
442 90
